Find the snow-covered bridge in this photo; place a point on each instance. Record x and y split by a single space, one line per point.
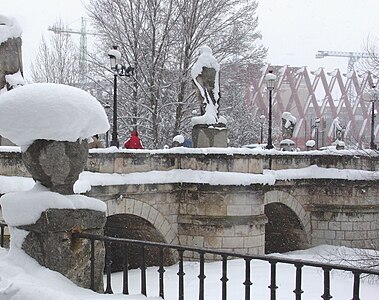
230 199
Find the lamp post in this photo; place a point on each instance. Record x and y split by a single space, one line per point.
107 107
262 120
270 83
374 98
118 70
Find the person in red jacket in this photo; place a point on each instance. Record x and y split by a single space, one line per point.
133 142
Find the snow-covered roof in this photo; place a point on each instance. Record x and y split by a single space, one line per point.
9 28
50 111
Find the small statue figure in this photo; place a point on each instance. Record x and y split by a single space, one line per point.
339 130
288 125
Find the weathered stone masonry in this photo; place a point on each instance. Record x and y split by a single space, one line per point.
336 212
194 215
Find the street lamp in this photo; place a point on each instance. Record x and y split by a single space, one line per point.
374 98
107 107
118 70
270 83
262 120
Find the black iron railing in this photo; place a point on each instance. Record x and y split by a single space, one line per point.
225 256
2 235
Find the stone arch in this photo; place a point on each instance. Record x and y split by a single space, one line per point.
281 203
141 209
134 219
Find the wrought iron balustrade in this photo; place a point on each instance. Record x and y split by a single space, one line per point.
225 256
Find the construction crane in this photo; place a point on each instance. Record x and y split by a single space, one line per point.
59 29
352 56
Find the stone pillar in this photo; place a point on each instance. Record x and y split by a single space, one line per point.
204 136
50 243
56 213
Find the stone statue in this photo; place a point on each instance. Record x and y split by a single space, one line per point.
10 54
288 125
338 129
206 78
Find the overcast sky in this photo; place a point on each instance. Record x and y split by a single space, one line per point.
293 30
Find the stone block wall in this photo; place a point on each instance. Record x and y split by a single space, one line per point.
342 212
11 164
218 218
143 162
302 160
215 217
346 228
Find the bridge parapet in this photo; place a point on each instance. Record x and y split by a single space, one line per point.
130 162
248 162
358 161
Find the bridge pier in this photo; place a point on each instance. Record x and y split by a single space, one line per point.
222 218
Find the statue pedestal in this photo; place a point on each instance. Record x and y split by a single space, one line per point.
204 136
49 242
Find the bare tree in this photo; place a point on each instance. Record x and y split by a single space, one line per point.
160 38
57 61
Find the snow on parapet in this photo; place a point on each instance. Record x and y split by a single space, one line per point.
9 28
50 111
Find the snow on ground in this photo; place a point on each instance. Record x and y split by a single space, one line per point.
21 278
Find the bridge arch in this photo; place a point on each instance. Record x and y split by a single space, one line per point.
134 219
146 211
289 225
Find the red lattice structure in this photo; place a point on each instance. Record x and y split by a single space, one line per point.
321 96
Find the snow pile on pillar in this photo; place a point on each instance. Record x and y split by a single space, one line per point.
51 123
51 112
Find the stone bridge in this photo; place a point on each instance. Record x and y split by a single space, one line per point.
254 218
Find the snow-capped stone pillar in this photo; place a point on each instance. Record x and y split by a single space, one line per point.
52 123
10 54
209 129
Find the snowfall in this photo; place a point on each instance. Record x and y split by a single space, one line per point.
25 115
